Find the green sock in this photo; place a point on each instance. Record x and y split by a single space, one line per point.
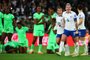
40 47
32 46
3 47
0 46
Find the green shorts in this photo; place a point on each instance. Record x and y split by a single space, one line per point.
38 30
23 44
38 33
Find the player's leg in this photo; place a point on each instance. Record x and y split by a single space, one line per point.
0 45
32 46
89 45
49 48
35 34
9 36
2 41
58 39
40 45
82 38
61 47
76 43
20 49
63 39
62 42
24 49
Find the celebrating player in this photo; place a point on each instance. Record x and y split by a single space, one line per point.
81 29
52 45
69 29
59 24
22 40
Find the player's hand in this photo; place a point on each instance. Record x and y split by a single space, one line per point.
42 17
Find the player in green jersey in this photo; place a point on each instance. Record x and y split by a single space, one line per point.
8 22
11 47
22 40
1 28
38 29
52 45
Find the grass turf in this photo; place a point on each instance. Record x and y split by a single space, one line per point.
44 56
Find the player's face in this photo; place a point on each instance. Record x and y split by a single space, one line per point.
59 11
38 9
68 8
7 11
50 11
19 26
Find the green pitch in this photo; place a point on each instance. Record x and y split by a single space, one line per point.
44 56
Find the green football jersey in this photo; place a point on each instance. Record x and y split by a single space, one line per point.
1 26
22 34
1 16
8 23
52 35
38 16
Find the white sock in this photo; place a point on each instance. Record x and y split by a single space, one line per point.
76 47
61 46
85 48
67 49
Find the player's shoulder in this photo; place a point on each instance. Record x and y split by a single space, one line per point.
35 13
1 12
72 12
41 13
11 14
81 13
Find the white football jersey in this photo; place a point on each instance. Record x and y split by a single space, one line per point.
69 20
81 15
59 24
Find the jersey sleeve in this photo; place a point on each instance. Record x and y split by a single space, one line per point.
34 16
26 28
49 27
54 15
75 17
81 16
1 15
16 29
12 16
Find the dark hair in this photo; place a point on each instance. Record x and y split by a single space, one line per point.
52 8
80 7
38 6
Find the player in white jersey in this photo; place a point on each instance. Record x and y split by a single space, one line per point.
81 30
69 29
59 24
